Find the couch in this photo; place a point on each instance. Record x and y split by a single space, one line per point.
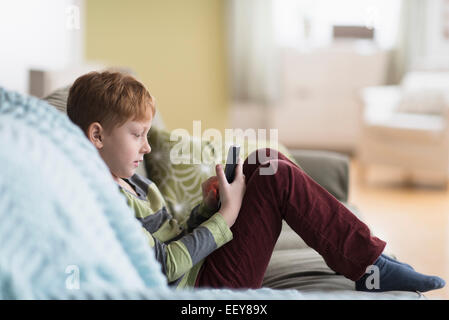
67 232
293 265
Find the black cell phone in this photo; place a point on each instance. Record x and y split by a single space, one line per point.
231 164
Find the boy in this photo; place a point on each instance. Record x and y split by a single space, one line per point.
115 112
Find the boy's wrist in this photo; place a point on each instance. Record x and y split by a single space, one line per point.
227 216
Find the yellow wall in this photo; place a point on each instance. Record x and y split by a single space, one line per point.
177 49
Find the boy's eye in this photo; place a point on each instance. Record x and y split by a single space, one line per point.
137 135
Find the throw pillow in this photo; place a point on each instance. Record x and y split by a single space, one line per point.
179 178
423 101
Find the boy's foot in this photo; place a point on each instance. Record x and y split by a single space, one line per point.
392 276
396 261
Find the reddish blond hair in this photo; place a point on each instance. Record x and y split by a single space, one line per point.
109 98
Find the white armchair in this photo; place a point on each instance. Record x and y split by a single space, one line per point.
407 127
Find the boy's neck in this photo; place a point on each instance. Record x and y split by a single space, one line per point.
117 179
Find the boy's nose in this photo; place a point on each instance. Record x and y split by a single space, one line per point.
146 148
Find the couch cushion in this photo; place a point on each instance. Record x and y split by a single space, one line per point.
302 269
306 271
422 101
329 169
58 98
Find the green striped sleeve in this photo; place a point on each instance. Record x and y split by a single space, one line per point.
178 260
219 229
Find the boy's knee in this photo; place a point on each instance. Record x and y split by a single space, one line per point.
275 166
262 155
281 167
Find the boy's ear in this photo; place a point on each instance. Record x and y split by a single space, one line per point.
95 134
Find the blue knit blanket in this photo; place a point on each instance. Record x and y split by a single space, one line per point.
65 230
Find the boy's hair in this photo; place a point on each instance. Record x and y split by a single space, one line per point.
110 98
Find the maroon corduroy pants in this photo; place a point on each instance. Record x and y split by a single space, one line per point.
287 193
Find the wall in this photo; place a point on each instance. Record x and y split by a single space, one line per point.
36 34
177 49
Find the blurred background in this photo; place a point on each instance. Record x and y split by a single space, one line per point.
366 78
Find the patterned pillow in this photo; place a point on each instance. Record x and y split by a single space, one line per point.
179 178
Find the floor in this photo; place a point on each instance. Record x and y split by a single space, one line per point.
414 221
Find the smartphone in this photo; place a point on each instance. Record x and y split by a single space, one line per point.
231 164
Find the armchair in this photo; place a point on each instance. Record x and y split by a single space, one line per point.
407 127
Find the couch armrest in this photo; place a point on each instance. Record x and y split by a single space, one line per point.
329 169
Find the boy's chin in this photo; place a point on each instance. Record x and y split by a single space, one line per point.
128 174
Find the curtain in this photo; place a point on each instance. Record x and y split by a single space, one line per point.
252 51
411 42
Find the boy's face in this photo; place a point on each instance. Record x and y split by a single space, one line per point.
123 147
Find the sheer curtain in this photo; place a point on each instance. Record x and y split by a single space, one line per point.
252 51
411 45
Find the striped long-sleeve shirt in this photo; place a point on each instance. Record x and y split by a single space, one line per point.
179 248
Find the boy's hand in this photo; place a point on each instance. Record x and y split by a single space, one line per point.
231 194
210 193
